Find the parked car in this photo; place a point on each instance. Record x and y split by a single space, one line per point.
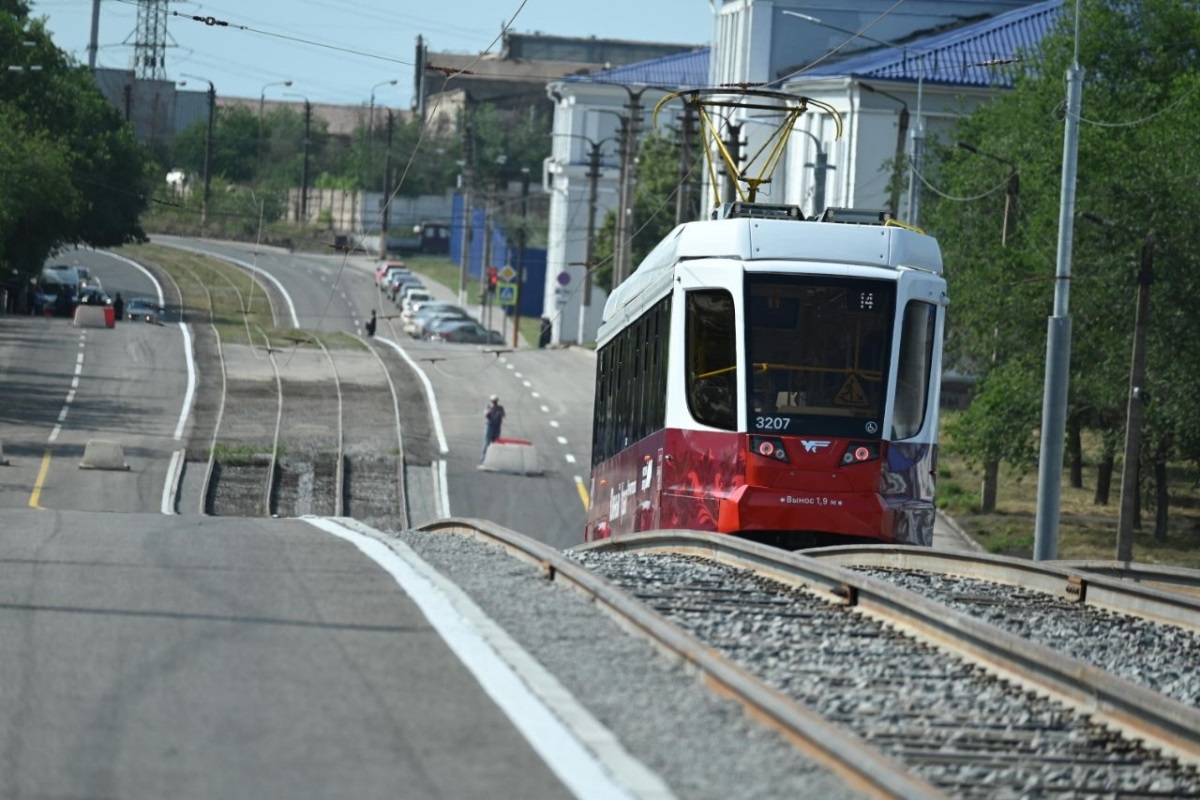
140 308
413 294
401 283
417 326
463 331
384 271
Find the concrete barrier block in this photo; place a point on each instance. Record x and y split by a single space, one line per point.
103 454
93 317
514 456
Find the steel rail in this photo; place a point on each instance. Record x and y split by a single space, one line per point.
401 483
340 474
1168 724
1156 576
206 486
862 767
1087 586
273 465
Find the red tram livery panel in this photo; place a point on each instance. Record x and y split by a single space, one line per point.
774 377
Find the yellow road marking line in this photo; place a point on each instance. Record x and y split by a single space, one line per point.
41 480
583 492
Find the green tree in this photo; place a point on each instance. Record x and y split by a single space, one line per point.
72 171
1140 111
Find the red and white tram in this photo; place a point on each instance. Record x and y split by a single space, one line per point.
774 377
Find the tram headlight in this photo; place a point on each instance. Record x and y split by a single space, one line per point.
769 447
860 452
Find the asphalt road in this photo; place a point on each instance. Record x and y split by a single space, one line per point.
65 386
193 657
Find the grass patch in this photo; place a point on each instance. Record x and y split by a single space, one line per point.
1086 530
241 454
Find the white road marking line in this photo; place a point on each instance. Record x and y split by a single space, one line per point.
79 369
570 458
561 439
526 384
71 396
518 375
79 359
54 433
62 415
171 486
534 395
554 723
75 382
553 423
545 409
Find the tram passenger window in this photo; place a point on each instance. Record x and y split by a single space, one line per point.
712 373
913 369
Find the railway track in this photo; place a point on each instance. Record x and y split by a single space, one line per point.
975 710
309 429
857 670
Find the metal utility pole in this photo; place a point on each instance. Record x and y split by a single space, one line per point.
1058 339
304 169
620 266
734 145
589 256
94 39
522 237
387 186
208 139
683 198
1135 405
1136 402
468 180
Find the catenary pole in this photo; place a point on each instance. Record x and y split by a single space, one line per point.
1058 339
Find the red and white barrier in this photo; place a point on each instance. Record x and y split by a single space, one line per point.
514 456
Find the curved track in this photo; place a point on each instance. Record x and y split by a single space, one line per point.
301 430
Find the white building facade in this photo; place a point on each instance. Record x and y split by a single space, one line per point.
895 77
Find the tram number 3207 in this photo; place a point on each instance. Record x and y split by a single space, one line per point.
772 423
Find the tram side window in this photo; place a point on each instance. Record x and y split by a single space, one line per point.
712 358
913 369
631 384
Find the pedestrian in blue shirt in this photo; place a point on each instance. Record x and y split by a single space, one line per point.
493 417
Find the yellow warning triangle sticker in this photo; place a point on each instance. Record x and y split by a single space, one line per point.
851 393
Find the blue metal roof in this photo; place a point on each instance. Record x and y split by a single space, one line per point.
957 57
679 70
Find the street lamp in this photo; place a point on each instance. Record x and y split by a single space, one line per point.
918 130
212 110
371 119
1136 402
262 100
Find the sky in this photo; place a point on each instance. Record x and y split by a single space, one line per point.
270 41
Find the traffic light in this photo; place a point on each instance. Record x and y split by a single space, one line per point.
493 279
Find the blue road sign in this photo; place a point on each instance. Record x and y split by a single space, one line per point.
506 293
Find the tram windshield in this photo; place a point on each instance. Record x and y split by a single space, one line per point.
818 349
